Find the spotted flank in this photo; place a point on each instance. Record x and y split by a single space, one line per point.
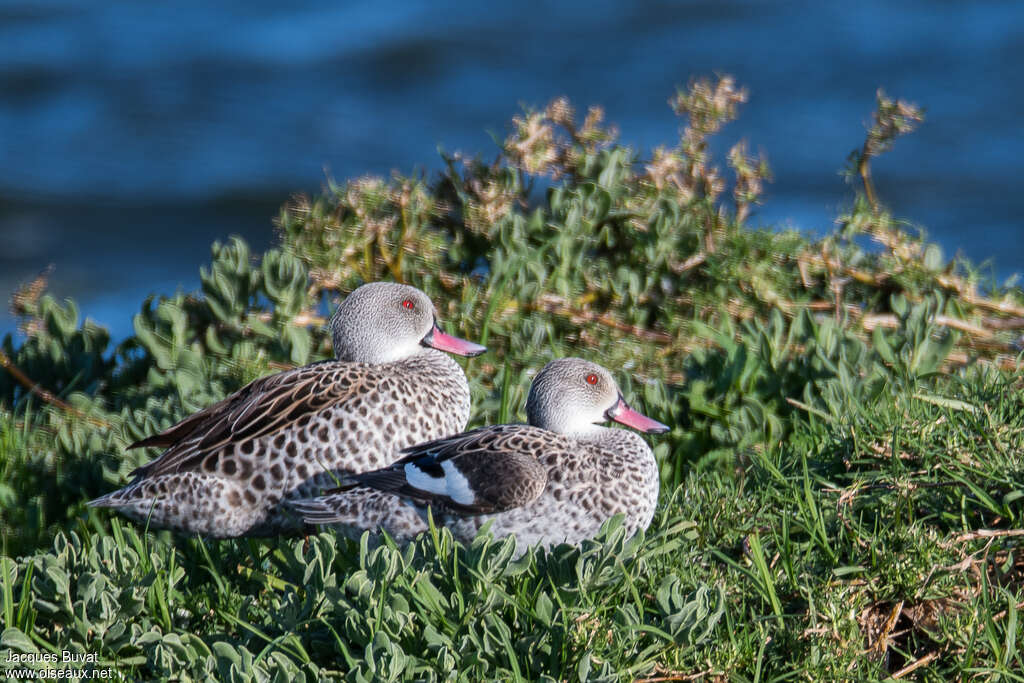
555 480
226 469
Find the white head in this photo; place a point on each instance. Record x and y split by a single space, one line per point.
384 322
572 396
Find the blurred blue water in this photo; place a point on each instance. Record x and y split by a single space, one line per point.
134 134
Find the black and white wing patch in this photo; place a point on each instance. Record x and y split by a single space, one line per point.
473 473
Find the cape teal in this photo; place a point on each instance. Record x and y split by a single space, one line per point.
227 468
555 480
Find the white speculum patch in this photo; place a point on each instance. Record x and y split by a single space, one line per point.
453 484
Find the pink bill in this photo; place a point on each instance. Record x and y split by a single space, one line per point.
623 414
445 342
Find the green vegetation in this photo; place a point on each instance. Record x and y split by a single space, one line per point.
842 489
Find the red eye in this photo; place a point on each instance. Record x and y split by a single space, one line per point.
408 304
591 378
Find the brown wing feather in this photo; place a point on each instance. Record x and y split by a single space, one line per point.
183 429
261 407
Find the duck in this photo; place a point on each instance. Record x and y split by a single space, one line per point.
226 469
554 480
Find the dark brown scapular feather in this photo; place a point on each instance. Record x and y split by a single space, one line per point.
501 477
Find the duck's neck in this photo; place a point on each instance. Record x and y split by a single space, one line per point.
430 363
591 433
392 356
609 437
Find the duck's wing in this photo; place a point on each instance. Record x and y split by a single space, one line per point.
186 427
265 405
486 470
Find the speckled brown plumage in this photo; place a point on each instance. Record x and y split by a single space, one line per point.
582 474
228 467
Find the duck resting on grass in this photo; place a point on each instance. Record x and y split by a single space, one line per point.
554 480
227 468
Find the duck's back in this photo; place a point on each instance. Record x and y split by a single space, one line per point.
393 406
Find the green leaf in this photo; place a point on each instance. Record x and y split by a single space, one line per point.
543 608
16 640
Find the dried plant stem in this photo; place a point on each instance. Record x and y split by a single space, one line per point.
998 306
864 169
45 395
690 263
559 306
916 664
988 533
302 319
674 677
873 320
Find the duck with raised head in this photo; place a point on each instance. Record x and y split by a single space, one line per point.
227 468
554 480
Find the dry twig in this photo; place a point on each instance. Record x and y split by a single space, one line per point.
987 533
45 395
916 664
673 676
